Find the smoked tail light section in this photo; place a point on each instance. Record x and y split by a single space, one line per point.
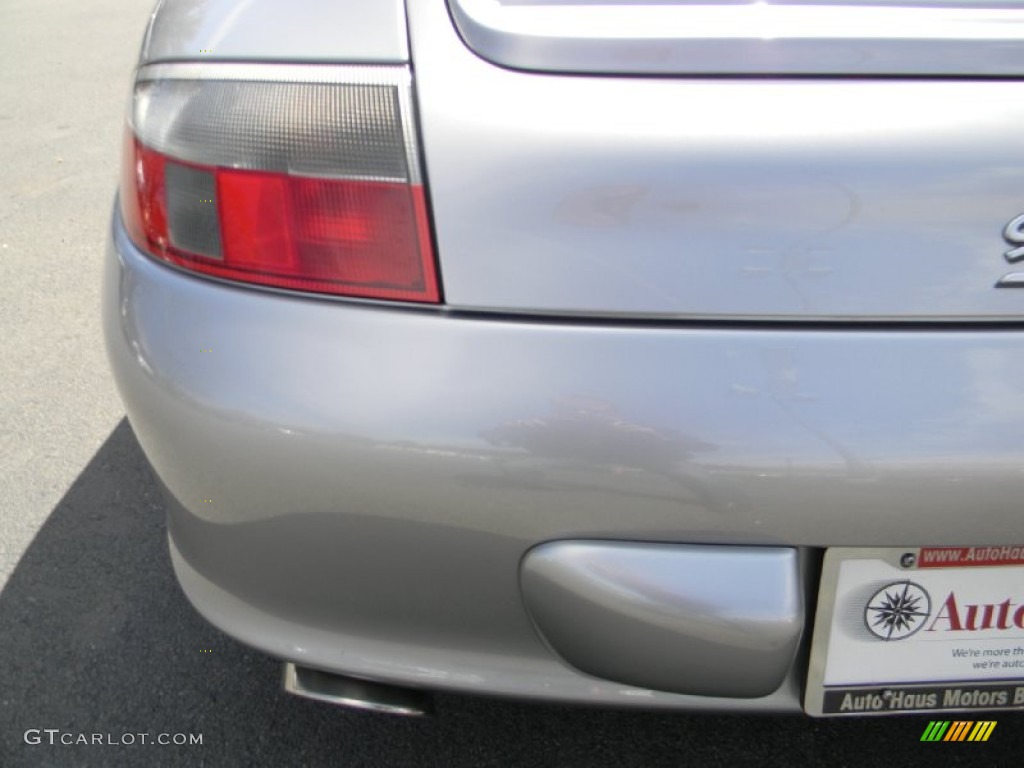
304 178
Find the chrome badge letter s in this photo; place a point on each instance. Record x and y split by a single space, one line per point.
1014 235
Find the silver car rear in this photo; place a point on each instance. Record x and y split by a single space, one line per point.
693 325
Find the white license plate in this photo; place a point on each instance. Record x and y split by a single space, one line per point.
918 630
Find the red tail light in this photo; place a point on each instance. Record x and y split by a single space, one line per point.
295 183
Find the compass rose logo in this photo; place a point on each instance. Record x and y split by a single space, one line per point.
897 610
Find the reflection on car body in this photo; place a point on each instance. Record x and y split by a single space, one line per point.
593 352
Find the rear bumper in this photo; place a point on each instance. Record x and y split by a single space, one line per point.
354 487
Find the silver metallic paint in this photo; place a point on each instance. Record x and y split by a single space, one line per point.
762 37
521 671
375 475
700 620
762 198
353 487
364 31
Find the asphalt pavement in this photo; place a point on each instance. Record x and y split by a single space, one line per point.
96 639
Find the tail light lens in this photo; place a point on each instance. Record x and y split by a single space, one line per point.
298 177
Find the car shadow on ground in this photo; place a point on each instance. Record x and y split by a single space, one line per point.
96 638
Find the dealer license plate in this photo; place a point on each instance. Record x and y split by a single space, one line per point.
918 630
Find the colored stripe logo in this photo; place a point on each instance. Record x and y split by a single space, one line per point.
958 730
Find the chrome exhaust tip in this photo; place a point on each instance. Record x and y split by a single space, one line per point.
355 693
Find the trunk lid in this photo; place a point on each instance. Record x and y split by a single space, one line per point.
779 198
